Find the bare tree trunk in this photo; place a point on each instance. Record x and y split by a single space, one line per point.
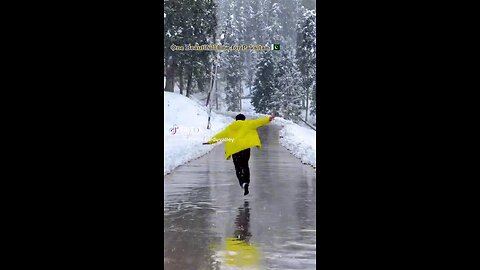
240 99
170 76
216 92
212 78
200 84
306 111
180 78
210 88
251 84
189 81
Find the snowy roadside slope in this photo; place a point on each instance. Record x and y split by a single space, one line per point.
184 143
300 141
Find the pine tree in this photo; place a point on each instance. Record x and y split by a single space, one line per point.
232 99
258 13
306 55
313 88
194 24
274 25
311 42
203 25
289 10
264 84
268 69
233 61
252 36
288 90
172 33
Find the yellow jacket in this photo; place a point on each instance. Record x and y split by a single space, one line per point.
240 135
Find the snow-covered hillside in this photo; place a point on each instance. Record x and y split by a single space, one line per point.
185 130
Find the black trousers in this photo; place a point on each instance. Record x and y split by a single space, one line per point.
240 160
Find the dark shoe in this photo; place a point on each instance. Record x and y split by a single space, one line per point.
246 190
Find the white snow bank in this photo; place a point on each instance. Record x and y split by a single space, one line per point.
185 130
300 141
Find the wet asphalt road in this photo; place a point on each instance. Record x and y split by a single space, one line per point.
209 224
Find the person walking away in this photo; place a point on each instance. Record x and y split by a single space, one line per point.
239 137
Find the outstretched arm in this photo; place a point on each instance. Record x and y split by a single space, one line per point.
221 135
261 121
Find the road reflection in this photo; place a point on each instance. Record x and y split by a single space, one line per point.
240 252
209 224
242 223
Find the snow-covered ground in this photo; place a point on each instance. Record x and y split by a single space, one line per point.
300 141
185 130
